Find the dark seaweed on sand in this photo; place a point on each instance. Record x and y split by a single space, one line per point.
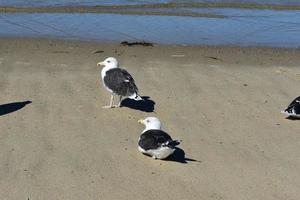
142 43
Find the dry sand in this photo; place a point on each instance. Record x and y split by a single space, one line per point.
224 103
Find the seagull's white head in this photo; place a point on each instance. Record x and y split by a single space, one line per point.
110 62
151 123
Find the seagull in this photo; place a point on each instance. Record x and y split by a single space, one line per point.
155 142
117 81
293 110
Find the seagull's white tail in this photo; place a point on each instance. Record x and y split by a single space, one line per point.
284 112
136 97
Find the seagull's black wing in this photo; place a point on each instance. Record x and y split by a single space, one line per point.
152 139
120 82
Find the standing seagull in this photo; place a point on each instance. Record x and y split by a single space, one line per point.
293 110
118 82
154 141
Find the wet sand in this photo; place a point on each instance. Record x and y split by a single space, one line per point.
169 9
142 8
223 102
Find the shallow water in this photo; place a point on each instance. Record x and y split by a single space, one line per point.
240 27
163 25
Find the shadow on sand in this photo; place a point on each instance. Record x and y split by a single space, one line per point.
179 156
293 118
12 107
146 106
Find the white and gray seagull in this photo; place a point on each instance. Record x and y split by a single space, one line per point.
118 82
155 142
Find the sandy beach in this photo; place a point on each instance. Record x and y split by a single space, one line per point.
224 104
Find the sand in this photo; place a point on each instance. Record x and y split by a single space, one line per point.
224 104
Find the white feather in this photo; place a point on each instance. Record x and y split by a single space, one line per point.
159 153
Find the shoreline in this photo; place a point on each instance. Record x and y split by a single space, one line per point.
250 48
112 42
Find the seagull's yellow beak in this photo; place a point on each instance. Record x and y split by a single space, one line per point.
100 63
141 121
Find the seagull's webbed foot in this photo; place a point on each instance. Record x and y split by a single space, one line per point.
119 104
111 103
109 106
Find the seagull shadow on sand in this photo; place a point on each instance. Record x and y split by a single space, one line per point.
12 107
293 118
147 105
179 156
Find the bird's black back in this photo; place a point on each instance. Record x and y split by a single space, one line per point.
120 82
152 139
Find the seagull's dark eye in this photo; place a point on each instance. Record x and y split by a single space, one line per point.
108 61
147 120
